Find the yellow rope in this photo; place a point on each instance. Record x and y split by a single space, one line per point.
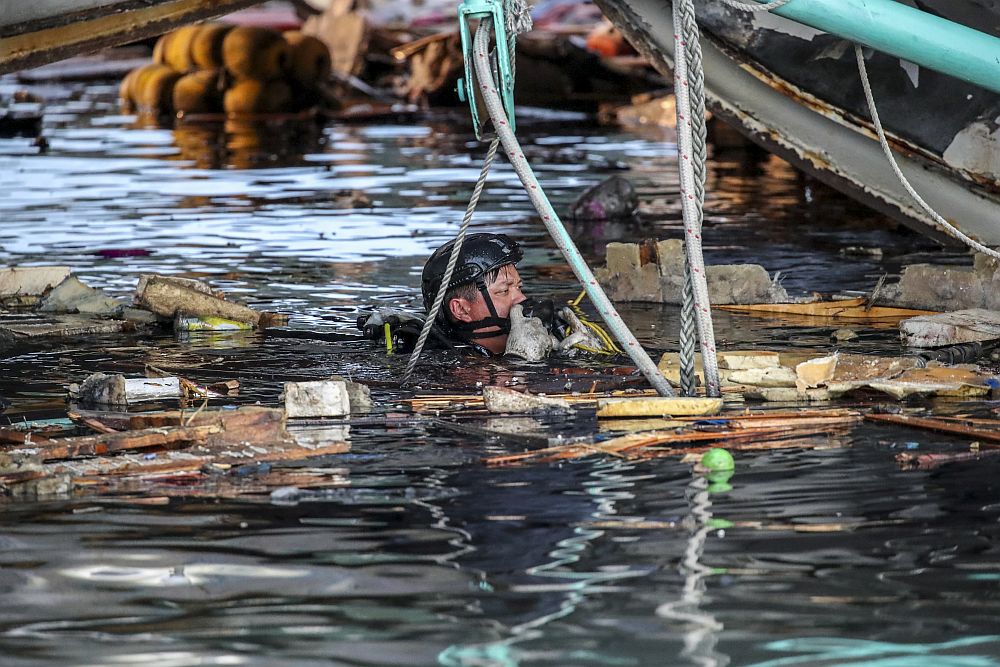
388 338
610 347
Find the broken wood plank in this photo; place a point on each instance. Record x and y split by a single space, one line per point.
627 444
17 436
940 426
847 309
154 469
30 327
930 461
110 443
91 423
434 402
251 426
660 406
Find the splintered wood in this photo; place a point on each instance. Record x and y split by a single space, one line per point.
806 430
439 402
154 446
848 310
991 435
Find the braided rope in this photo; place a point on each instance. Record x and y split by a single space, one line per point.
944 224
688 338
685 36
517 16
756 7
696 76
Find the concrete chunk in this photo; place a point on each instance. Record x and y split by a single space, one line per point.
742 284
961 326
323 398
765 377
30 280
738 360
117 390
654 272
623 258
938 288
72 296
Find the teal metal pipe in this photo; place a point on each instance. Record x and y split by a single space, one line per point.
905 32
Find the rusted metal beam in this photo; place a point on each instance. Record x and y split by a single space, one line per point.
57 36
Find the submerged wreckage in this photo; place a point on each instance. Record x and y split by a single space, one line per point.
786 78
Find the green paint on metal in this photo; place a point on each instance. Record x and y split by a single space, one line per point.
468 87
907 33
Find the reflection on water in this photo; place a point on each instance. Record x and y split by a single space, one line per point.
414 553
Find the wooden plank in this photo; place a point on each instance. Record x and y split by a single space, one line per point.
660 406
848 309
67 326
940 426
110 443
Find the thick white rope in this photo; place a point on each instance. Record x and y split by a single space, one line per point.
944 224
551 220
686 38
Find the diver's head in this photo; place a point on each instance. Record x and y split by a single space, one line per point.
484 286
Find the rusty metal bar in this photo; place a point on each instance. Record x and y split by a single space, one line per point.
48 39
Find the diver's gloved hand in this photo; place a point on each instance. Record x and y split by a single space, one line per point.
529 338
404 327
580 336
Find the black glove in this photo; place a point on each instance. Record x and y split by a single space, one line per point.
404 329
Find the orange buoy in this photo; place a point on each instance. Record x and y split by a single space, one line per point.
254 53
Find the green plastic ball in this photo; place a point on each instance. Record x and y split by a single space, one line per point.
717 459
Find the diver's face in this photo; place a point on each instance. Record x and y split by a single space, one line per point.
505 292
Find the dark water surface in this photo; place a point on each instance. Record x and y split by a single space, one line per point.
422 555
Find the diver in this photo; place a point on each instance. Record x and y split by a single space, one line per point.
485 309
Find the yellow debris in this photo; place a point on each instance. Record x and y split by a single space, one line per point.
659 406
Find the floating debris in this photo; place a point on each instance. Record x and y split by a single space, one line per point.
499 400
169 298
324 398
658 406
954 328
25 285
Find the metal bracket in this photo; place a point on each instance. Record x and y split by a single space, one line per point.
474 11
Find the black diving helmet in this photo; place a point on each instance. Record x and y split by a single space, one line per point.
481 253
